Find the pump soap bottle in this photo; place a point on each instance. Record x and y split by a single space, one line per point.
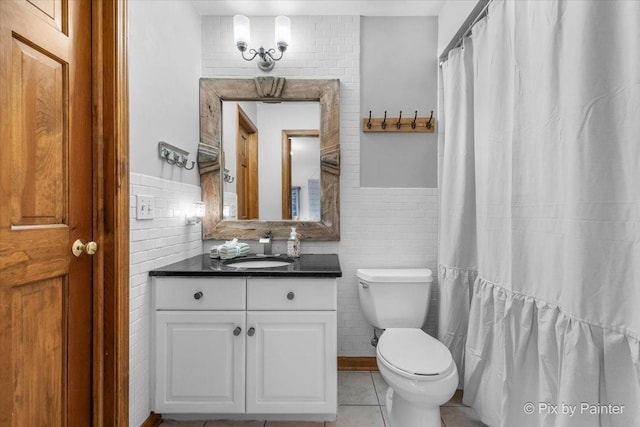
293 244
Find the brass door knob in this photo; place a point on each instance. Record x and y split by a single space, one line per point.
79 247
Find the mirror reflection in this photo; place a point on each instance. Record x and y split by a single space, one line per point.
271 155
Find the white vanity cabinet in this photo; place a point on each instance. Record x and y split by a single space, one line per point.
199 345
292 355
234 345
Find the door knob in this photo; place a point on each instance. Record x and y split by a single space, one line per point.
79 247
251 331
237 331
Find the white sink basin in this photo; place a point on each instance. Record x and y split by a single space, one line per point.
267 263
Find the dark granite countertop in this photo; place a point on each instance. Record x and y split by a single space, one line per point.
308 265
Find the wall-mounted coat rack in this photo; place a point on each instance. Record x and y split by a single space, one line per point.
399 124
174 156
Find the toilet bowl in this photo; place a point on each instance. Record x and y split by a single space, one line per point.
421 375
419 369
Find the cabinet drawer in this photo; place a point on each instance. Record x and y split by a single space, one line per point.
291 294
186 293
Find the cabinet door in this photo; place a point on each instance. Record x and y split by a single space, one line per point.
291 362
200 361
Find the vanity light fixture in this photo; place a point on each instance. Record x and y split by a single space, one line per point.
266 58
195 213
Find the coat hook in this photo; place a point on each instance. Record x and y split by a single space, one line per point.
166 156
429 122
413 123
384 121
369 122
193 165
399 118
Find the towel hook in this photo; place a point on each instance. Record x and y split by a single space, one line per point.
369 122
384 121
184 165
166 156
399 118
413 123
429 122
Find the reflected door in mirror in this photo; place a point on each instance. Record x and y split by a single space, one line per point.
247 167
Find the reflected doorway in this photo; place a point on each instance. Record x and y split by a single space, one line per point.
247 166
299 193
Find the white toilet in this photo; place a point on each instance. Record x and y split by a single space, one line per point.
418 368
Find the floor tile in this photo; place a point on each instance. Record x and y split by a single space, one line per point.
358 416
381 387
356 388
456 400
460 416
295 424
230 423
385 416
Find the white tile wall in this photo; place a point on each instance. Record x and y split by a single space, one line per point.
380 227
154 243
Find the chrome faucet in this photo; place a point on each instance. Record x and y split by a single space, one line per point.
266 241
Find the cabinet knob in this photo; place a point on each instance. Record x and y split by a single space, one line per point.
291 296
251 331
237 331
198 295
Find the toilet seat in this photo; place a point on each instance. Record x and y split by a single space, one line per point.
413 354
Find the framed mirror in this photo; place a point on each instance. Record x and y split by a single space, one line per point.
269 157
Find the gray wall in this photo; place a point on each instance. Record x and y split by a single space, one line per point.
399 72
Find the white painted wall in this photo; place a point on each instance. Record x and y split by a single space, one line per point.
164 68
451 16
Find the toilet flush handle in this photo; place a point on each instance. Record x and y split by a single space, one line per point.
364 285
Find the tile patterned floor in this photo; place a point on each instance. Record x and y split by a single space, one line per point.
361 400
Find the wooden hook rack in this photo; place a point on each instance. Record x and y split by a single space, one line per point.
413 124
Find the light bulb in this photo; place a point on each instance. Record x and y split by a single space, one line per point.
241 30
283 30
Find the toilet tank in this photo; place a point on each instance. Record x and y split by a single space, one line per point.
395 298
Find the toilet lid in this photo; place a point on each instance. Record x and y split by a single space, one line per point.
414 352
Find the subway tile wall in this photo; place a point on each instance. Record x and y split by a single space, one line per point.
153 243
380 227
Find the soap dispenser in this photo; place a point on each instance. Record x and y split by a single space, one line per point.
293 244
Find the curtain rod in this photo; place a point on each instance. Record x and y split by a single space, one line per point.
478 12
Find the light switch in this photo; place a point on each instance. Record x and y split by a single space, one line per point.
144 207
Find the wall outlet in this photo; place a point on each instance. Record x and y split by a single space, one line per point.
144 207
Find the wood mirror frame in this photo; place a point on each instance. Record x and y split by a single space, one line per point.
270 89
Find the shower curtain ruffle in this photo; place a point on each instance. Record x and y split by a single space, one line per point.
455 294
524 355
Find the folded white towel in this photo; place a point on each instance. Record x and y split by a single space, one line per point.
230 249
215 250
233 250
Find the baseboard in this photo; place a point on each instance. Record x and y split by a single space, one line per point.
357 364
153 420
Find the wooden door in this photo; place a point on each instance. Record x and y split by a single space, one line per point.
200 361
247 167
45 204
291 362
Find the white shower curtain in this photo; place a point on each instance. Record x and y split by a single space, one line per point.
457 269
554 322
